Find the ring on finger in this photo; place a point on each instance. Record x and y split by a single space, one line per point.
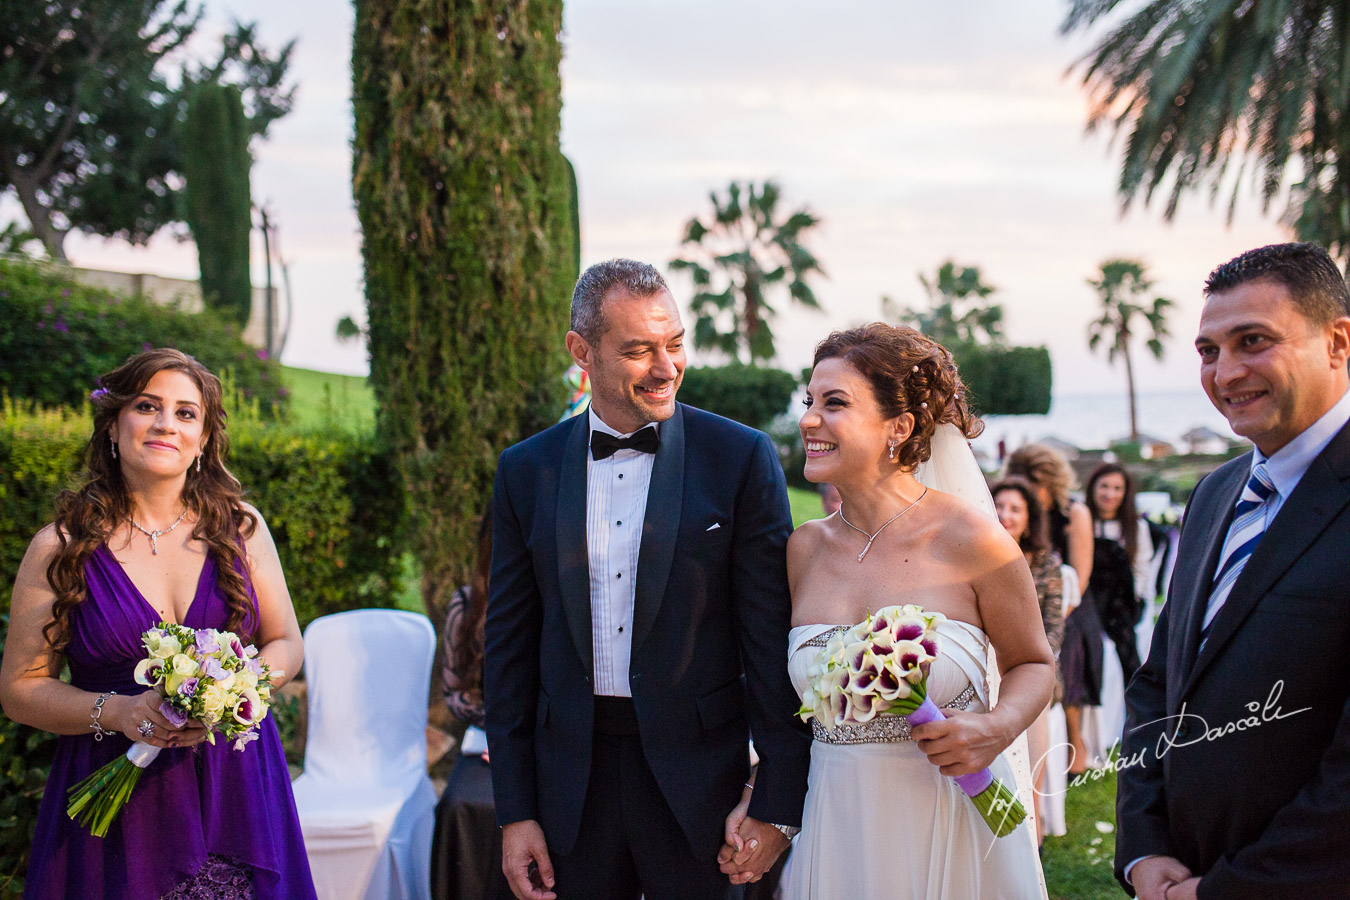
146 728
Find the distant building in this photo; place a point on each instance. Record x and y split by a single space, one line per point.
1155 447
1205 441
184 294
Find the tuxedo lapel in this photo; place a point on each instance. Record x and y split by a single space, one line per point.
1322 493
660 526
1201 578
574 572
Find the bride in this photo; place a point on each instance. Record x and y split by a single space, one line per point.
883 819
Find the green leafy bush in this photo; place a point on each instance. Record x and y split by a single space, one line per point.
752 395
331 501
57 336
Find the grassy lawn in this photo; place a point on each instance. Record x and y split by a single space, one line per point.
1078 866
805 505
325 400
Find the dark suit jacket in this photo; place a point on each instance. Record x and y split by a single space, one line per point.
710 627
1252 791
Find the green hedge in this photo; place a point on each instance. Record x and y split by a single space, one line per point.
331 500
1006 381
57 336
752 395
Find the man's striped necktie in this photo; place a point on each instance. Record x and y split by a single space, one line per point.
1249 524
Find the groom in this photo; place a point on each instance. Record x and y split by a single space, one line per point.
637 625
1236 761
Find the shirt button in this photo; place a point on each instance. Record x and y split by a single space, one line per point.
620 476
620 629
620 522
619 575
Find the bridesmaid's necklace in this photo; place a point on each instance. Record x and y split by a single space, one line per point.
155 535
872 537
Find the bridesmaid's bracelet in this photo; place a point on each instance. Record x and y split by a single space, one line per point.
95 725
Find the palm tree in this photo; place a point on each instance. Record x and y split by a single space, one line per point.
1199 85
755 252
1120 287
956 313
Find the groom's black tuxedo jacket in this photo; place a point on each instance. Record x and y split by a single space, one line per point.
710 625
1253 788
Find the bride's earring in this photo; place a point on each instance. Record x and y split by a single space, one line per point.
113 445
893 446
199 462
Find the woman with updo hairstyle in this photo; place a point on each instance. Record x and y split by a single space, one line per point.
157 532
886 416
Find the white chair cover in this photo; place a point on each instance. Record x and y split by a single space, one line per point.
366 804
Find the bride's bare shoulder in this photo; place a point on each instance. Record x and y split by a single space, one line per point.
807 540
968 533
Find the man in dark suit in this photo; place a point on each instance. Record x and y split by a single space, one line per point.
637 627
1235 779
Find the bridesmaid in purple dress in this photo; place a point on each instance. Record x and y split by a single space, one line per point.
158 532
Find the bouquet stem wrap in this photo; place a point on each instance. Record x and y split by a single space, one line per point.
1000 808
97 800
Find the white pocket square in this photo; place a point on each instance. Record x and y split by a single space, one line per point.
714 526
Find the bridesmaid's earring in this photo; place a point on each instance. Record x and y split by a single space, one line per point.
199 462
892 450
113 445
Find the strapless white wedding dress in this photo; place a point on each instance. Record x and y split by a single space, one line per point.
881 822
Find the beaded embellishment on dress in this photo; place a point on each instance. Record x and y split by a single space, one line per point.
884 729
219 878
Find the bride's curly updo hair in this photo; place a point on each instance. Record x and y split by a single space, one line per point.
909 373
87 517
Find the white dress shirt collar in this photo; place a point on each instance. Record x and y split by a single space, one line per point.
1288 464
598 424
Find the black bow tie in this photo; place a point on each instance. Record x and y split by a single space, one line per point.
605 445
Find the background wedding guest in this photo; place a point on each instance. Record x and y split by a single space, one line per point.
1070 529
158 532
1022 516
1123 551
1253 798
466 851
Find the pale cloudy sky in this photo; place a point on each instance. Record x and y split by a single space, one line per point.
916 131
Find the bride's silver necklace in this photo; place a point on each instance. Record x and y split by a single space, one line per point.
154 535
873 536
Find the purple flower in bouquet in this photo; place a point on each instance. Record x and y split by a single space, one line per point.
206 642
189 687
212 668
176 719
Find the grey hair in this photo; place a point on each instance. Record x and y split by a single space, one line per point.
628 276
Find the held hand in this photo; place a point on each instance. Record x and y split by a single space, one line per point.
962 743
129 712
1154 875
761 845
1184 891
525 861
731 838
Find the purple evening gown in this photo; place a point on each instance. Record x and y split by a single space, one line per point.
235 806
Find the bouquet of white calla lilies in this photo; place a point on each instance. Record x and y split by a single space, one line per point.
880 667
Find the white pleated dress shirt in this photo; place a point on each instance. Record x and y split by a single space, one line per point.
616 505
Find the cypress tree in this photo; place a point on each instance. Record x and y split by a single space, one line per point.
462 194
217 197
